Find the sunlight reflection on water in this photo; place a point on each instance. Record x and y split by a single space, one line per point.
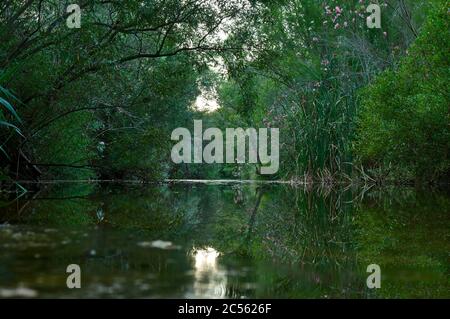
210 279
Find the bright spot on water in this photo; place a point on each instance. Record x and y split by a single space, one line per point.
19 292
205 259
210 280
161 244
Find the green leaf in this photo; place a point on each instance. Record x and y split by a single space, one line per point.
4 152
10 108
12 126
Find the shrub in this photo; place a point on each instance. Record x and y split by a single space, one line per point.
404 118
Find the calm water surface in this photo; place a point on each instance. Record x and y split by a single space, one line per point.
224 241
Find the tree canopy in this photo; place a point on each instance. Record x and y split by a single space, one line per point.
100 101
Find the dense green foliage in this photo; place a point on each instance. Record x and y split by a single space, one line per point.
405 115
94 108
306 80
102 100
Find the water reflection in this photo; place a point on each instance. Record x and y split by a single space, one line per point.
249 241
210 279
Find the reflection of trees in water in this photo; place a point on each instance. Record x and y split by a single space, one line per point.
296 242
308 230
405 231
300 226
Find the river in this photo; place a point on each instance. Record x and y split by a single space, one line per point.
224 240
